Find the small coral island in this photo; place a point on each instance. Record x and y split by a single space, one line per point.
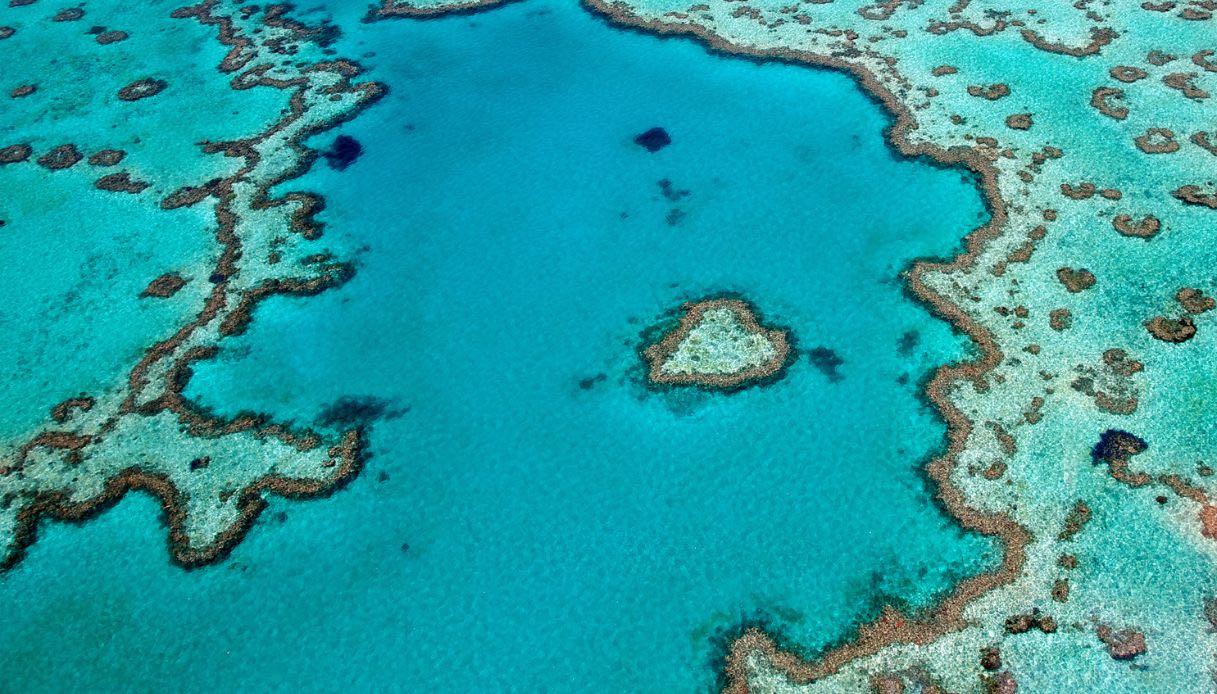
719 343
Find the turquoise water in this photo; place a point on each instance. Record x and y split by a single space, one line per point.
514 529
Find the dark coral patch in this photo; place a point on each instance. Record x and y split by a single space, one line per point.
1102 99
164 286
120 183
1022 623
348 412
590 382
142 89
107 157
13 154
826 362
1116 447
185 197
23 90
1173 330
1157 141
1194 300
1019 121
106 38
1144 229
62 157
992 92
1124 644
1128 73
1075 280
69 14
343 152
671 192
654 139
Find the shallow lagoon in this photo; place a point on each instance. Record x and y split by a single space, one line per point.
515 529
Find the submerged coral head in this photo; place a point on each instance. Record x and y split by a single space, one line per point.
1116 446
719 343
654 139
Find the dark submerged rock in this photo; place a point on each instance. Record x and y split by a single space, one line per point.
1116 446
654 139
349 412
590 382
343 152
826 362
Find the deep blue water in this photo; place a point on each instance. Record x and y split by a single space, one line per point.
513 529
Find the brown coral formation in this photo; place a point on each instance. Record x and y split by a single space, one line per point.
106 38
107 157
1022 623
1075 521
1019 121
1159 58
1099 37
1201 59
1195 195
1116 449
990 658
185 197
15 154
1128 74
1208 522
1184 82
1194 300
1157 141
63 411
142 89
695 312
390 9
992 92
1060 590
1075 280
1103 100
62 157
999 683
1144 229
1060 319
1174 330
69 14
1110 386
1205 141
120 183
1081 191
342 460
164 286
1124 644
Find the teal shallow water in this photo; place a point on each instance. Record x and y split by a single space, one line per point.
514 530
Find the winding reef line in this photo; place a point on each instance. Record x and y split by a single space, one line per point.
891 627
345 454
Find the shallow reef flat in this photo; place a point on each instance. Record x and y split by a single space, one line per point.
718 343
